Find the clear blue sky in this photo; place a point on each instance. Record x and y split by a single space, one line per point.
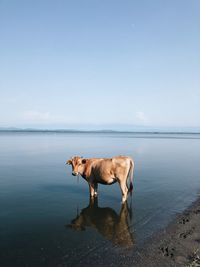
99 63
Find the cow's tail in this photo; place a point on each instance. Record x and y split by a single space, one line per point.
130 175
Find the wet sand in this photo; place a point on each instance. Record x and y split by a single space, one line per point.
176 245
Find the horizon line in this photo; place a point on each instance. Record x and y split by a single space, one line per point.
60 130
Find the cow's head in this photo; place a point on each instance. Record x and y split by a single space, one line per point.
78 165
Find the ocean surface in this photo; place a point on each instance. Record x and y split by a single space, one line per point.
46 215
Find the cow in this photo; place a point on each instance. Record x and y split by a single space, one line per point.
111 225
104 171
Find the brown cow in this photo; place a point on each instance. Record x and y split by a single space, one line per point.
114 227
104 171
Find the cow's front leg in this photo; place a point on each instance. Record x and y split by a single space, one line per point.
92 191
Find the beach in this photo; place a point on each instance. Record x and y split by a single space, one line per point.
177 245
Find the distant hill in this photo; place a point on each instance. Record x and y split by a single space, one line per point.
137 130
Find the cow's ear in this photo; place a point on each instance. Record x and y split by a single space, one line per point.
69 162
83 161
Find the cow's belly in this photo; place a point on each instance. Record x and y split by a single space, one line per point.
107 181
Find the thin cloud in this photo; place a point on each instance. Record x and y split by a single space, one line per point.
141 116
36 116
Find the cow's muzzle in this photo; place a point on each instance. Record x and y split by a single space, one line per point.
75 173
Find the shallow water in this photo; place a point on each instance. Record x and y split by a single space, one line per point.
46 216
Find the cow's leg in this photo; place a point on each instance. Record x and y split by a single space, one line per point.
93 202
95 189
124 190
92 192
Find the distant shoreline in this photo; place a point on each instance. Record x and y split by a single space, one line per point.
94 131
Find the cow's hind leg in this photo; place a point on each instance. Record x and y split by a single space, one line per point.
124 190
95 189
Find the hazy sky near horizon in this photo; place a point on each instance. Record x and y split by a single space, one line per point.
92 62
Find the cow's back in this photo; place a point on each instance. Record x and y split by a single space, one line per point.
110 167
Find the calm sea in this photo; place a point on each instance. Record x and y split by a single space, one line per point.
46 216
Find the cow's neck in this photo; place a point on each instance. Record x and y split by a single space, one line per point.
85 174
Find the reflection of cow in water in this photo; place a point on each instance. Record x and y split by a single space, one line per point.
107 222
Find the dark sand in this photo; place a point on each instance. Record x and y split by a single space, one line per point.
176 245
